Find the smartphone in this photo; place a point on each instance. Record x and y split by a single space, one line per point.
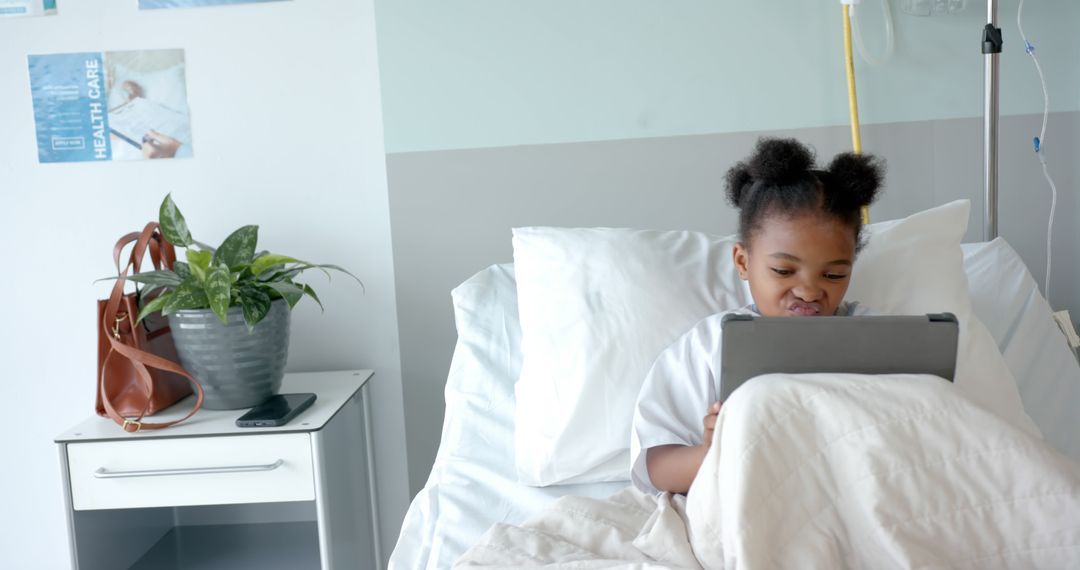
277 411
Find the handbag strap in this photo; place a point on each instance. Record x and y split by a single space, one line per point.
162 252
140 359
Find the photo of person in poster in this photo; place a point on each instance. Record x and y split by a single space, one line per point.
158 4
147 98
121 105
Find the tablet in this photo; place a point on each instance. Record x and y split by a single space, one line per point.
754 345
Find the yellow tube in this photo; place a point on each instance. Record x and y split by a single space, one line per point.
853 100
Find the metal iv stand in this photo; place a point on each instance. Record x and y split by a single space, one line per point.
991 47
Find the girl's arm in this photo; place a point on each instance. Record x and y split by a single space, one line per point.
672 468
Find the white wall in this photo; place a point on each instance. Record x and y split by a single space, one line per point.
288 134
492 73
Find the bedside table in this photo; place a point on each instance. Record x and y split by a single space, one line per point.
206 494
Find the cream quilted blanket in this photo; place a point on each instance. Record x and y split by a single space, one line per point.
829 471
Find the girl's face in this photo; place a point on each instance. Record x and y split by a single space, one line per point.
798 266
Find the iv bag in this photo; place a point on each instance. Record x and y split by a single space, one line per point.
932 7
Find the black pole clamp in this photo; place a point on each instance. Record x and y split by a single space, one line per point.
991 40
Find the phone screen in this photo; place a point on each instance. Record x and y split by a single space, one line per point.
275 411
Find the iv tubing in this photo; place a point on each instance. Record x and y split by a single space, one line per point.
890 41
853 101
1039 143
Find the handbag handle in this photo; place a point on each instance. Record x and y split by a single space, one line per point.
160 251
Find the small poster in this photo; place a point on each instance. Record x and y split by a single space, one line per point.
27 8
158 4
114 105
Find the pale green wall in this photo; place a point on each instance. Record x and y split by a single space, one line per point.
485 73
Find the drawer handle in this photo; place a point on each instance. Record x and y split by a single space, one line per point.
103 473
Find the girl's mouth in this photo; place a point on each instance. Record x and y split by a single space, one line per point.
805 309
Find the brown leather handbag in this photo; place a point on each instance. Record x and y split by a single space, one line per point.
138 374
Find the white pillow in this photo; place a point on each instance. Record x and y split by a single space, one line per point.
598 305
914 266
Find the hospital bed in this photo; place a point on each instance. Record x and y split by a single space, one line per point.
473 482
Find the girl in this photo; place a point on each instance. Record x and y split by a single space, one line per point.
799 231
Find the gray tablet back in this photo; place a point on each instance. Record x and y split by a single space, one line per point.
753 346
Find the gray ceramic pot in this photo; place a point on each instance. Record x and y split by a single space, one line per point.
237 368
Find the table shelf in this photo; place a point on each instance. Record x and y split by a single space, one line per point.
266 546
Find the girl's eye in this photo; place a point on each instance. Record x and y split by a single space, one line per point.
782 272
835 276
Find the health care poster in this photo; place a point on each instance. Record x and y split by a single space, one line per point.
27 8
114 105
158 4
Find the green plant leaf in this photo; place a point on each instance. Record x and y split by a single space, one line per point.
324 266
306 266
311 293
255 303
149 289
199 263
154 280
182 269
172 223
274 295
155 304
162 278
286 275
218 287
288 291
343 270
239 248
269 260
189 295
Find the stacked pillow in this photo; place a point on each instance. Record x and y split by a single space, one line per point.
598 305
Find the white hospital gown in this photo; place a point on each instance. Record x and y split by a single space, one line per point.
682 384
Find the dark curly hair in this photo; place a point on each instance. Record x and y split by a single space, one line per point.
780 178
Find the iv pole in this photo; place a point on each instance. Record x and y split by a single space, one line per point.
853 100
991 47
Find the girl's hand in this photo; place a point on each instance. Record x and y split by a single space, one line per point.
710 423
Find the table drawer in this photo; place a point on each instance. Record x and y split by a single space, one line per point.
191 471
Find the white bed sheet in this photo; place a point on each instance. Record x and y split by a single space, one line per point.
473 483
1006 298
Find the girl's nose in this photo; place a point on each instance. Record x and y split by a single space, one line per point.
807 293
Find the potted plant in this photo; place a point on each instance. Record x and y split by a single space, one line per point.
228 308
